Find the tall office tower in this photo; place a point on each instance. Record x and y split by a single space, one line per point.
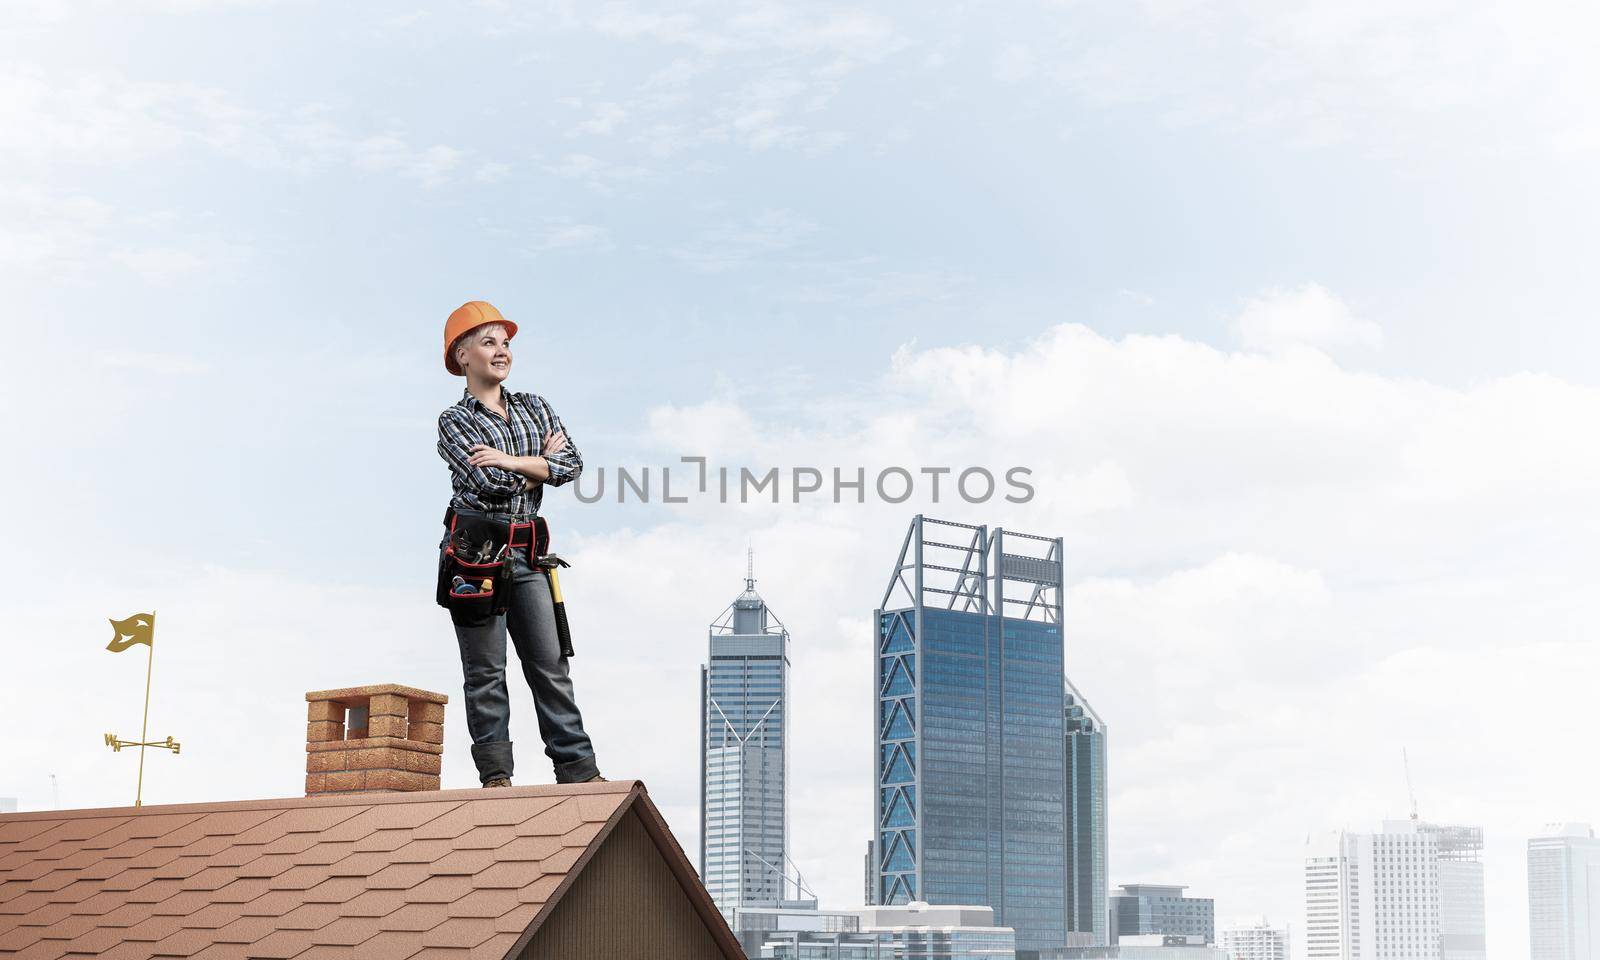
1397 912
1332 884
1395 895
1258 941
968 739
1085 755
1564 893
744 808
1142 909
1461 899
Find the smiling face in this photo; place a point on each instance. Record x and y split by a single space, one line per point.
484 353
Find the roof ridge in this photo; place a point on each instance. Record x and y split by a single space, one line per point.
335 800
467 871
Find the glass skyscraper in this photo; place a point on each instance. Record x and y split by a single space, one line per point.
744 810
1085 760
1461 902
969 741
1564 893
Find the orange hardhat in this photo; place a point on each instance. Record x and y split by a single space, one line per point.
473 313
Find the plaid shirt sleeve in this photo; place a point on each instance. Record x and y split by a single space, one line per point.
456 438
568 463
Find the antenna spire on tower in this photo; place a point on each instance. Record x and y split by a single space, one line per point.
749 567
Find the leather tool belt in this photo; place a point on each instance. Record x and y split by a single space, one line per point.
474 563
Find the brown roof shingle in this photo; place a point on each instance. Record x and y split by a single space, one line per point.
406 876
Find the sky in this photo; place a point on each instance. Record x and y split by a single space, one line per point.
1289 308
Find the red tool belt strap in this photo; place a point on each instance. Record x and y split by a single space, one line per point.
535 533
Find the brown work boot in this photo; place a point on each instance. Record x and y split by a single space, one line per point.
597 779
498 782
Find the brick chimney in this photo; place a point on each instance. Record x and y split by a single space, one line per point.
383 738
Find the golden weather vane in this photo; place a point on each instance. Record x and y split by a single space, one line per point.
139 628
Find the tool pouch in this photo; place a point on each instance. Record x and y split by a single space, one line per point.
458 557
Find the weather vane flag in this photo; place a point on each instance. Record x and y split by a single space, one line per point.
139 628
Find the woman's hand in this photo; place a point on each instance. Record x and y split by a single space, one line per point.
483 455
534 468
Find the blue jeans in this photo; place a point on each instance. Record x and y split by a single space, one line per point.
530 618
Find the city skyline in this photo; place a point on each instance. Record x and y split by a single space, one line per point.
1446 860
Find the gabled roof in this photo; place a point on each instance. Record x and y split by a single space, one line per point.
402 876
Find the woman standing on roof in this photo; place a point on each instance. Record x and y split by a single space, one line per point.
502 449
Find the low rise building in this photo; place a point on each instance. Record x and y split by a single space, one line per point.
1256 941
909 931
1147 946
1142 909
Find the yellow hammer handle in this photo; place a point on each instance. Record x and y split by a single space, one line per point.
555 585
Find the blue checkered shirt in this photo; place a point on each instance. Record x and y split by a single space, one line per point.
491 489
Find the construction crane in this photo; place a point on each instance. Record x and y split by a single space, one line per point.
1409 788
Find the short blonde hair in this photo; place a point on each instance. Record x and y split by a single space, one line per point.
466 338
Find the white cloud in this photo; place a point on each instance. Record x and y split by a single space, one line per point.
1308 315
44 231
604 121
677 73
101 118
492 172
1014 63
600 175
1394 78
53 11
800 28
168 264
161 364
405 21
562 233
734 243
430 167
769 71
59 123
712 427
865 283
622 20
62 236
